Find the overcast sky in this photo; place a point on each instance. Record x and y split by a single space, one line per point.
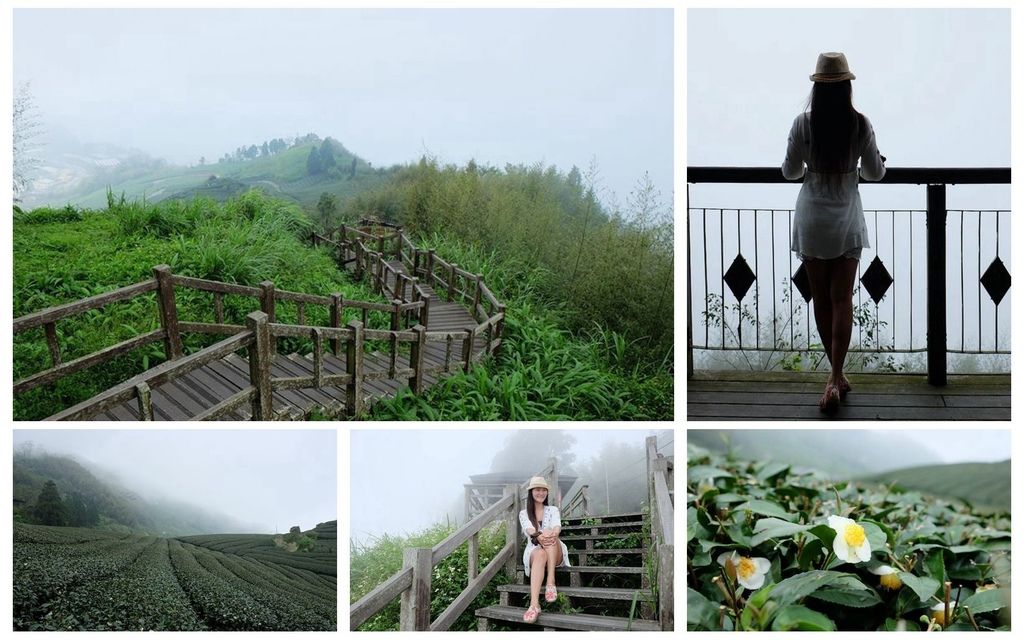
935 84
519 86
404 481
961 445
269 479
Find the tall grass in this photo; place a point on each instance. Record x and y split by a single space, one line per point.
373 563
612 267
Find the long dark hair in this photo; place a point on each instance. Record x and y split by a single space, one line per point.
835 126
531 510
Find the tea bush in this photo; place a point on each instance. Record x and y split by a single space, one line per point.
770 547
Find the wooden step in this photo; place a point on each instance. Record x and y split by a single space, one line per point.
606 536
607 552
595 569
594 593
574 622
636 515
610 525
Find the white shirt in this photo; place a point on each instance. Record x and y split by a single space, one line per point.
827 225
552 518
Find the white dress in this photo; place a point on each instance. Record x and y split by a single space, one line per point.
552 519
828 225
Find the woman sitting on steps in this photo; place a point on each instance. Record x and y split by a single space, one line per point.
544 551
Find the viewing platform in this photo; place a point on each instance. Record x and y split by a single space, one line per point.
934 285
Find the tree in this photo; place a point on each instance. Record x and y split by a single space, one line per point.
313 165
265 150
327 207
327 156
352 172
50 509
82 511
26 129
202 160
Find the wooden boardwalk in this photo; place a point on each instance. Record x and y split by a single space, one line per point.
758 395
197 391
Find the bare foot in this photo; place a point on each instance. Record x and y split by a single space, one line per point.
829 402
844 385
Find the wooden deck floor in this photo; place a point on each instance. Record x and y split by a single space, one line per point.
785 395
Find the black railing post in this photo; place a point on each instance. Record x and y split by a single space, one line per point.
689 294
936 223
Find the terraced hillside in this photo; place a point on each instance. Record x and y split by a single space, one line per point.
88 579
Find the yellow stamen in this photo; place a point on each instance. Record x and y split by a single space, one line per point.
854 535
891 581
746 568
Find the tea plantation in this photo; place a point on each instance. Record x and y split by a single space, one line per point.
72 579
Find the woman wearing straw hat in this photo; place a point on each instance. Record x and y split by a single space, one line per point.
544 551
828 226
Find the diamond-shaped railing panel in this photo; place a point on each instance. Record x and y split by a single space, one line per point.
802 282
876 280
739 277
996 280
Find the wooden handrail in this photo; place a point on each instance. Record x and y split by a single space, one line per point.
52 314
662 514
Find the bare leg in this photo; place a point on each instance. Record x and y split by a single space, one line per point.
538 560
818 272
554 554
844 273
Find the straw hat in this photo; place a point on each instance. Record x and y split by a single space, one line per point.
832 67
537 482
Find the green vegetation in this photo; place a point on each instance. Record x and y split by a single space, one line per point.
589 292
72 579
985 486
372 564
797 562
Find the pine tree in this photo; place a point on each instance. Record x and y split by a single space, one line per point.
50 509
313 165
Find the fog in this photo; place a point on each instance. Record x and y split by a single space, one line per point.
404 481
852 452
559 87
269 480
935 85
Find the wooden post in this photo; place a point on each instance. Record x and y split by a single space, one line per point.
416 261
168 311
218 307
425 311
666 592
512 528
337 305
430 267
359 260
476 295
51 343
259 365
466 509
380 243
269 306
414 613
398 243
145 401
354 367
556 500
396 314
473 559
318 357
451 283
935 220
467 350
499 328
417 359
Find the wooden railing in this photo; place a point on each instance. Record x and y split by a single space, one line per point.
578 503
408 314
412 582
659 494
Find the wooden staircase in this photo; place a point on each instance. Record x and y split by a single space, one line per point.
609 571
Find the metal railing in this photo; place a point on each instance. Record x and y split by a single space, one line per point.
767 233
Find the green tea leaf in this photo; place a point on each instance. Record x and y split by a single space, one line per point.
701 613
765 508
801 585
991 600
924 587
767 528
703 472
799 618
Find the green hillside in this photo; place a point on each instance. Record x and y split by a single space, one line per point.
982 485
284 175
91 501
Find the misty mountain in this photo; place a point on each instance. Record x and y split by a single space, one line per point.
985 486
108 503
839 453
299 172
